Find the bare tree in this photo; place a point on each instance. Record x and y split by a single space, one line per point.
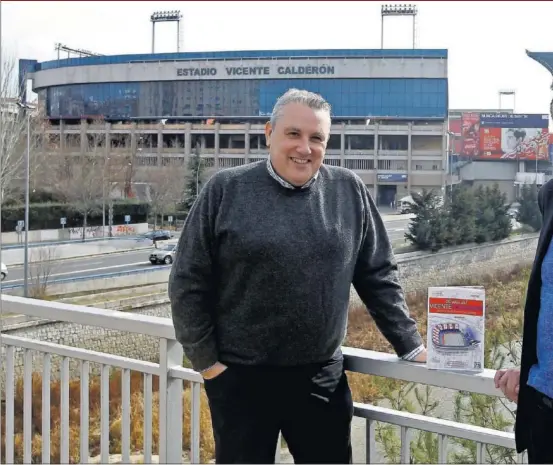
15 125
43 263
166 188
13 130
81 183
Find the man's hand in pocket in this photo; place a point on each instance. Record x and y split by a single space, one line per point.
213 371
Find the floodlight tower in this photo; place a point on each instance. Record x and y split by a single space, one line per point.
398 10
164 17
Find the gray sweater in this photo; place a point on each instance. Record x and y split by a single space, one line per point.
262 273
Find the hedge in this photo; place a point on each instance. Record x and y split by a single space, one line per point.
48 215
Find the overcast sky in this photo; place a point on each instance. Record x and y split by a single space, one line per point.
486 40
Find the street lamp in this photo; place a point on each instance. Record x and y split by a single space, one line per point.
451 140
26 108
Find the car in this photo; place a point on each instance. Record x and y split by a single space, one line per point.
163 255
158 235
3 271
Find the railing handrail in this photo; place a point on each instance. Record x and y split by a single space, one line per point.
390 366
91 316
358 360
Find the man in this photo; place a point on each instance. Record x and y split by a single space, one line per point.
260 290
531 386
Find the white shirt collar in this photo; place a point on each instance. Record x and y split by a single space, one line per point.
285 183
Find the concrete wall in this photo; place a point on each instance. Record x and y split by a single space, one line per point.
418 271
66 234
266 69
15 256
105 281
489 171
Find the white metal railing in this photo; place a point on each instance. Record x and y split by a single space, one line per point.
172 375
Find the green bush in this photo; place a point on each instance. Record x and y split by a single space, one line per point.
464 217
528 212
426 230
47 215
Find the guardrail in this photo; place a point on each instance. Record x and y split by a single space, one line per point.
172 375
115 274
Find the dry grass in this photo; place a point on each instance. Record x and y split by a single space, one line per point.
504 294
136 419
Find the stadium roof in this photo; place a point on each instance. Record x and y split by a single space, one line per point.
543 58
243 55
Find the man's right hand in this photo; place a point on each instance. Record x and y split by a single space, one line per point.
509 383
214 371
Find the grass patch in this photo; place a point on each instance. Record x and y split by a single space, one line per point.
504 294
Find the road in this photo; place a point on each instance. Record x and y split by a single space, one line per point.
138 260
396 229
89 266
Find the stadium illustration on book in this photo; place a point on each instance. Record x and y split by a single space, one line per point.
454 336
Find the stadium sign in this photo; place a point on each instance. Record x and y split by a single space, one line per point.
248 68
253 71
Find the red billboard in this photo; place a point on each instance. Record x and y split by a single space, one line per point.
505 136
455 140
470 134
514 143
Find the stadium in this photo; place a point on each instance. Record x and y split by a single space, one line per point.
499 146
390 108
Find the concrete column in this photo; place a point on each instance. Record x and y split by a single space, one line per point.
159 149
247 143
63 141
409 156
84 138
343 145
133 139
107 133
216 154
187 140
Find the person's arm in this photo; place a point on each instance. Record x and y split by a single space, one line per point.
376 281
191 286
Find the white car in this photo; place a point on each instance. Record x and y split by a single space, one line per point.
164 254
3 271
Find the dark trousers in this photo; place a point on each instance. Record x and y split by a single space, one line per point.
540 449
251 405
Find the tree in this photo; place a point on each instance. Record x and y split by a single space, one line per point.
460 210
493 222
427 230
166 189
81 179
528 212
43 264
14 124
193 180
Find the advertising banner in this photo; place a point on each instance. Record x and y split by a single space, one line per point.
506 136
551 148
470 134
392 177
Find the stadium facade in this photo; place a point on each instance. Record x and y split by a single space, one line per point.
499 146
390 108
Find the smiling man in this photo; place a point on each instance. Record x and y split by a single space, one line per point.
260 291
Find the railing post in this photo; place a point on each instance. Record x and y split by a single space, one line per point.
170 403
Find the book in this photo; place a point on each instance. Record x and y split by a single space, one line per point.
456 326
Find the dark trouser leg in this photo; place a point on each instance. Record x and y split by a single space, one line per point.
317 424
244 416
540 449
